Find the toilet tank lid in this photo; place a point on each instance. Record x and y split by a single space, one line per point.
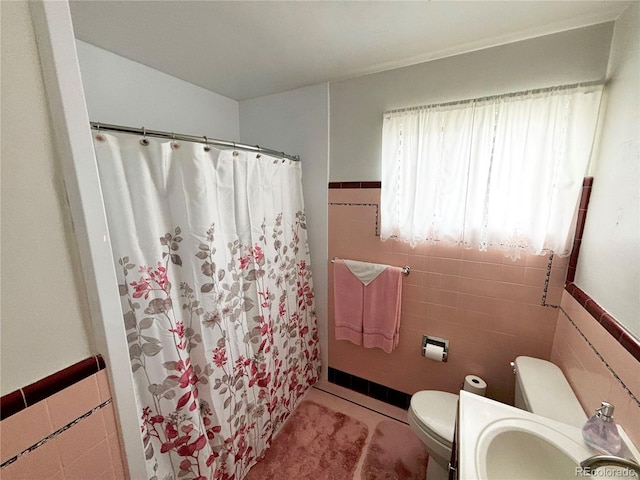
547 392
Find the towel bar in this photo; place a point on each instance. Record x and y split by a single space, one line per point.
406 270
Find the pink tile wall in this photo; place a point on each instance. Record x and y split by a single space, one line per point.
90 449
488 306
591 359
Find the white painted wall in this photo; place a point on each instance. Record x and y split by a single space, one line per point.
609 263
297 122
45 312
70 125
357 105
124 92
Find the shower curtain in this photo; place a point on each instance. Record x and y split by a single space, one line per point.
213 264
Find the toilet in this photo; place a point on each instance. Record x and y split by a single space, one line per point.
432 414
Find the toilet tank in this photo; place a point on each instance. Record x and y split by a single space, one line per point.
542 388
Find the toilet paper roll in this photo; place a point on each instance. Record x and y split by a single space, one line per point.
434 352
475 385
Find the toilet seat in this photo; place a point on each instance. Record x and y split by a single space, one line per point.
436 412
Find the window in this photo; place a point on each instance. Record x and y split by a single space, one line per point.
503 171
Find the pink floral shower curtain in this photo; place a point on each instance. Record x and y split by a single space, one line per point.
216 289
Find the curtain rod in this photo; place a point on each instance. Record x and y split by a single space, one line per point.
502 95
192 138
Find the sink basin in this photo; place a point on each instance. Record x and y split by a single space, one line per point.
498 441
518 448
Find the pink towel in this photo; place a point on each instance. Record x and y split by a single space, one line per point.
348 293
381 311
367 315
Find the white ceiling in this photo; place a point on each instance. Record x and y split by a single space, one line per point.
247 49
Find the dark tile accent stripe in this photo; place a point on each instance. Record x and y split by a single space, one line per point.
630 343
100 361
610 324
355 184
22 398
12 403
370 389
55 434
587 183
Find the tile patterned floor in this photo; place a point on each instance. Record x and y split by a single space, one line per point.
368 410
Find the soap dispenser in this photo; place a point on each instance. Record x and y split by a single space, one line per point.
601 433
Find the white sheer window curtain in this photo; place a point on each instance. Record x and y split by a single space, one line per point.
503 172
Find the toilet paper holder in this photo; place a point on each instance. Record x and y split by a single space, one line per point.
438 342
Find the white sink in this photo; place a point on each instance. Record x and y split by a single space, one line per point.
529 448
497 441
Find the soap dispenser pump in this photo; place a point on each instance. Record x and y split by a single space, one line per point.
601 433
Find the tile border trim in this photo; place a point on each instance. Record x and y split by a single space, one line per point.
351 204
587 185
608 321
24 397
601 358
375 184
53 435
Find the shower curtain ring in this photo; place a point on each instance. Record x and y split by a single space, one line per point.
144 142
207 148
174 145
235 152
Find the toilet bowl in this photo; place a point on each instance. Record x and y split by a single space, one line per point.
432 417
432 414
